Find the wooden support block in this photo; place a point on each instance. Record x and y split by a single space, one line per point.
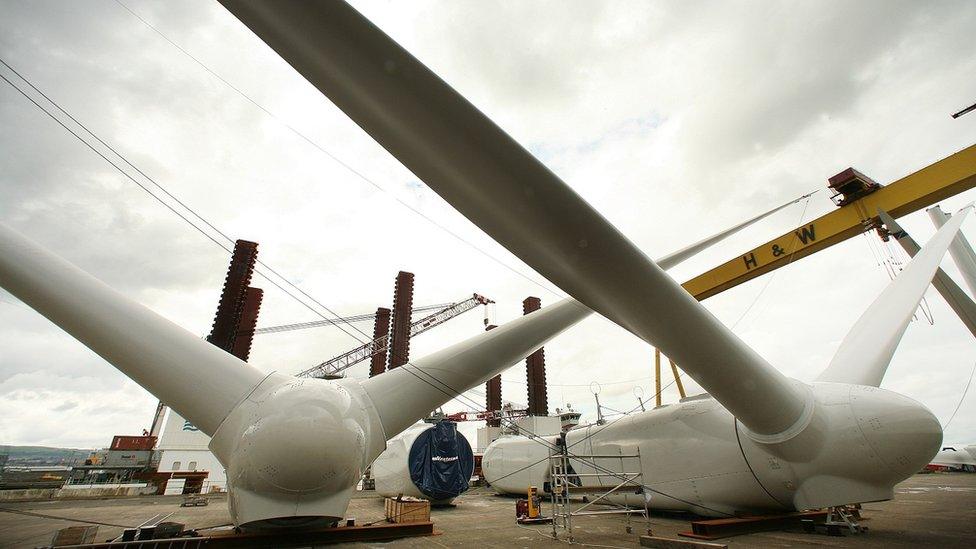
74 535
710 529
669 543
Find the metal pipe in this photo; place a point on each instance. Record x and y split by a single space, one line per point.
677 379
960 249
657 377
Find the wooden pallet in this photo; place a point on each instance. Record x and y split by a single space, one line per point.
407 510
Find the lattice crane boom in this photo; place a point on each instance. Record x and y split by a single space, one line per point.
334 321
355 356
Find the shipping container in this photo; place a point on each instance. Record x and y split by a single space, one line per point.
122 442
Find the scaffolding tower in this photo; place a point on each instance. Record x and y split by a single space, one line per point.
598 486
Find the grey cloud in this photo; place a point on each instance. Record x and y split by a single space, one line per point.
65 407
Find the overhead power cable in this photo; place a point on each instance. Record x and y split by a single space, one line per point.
961 399
56 517
456 395
167 193
331 321
348 167
423 376
769 279
452 393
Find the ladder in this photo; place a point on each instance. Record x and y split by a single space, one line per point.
365 351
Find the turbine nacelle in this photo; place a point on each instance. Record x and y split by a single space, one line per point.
296 448
857 444
860 442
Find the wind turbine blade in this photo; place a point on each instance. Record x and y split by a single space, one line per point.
960 250
198 380
678 256
494 182
865 353
404 394
956 297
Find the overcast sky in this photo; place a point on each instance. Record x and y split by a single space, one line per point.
674 119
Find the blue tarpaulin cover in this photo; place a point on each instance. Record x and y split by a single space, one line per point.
441 461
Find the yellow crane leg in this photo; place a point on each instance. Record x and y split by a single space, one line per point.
947 177
657 377
677 379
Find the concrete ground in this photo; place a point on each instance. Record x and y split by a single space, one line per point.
934 510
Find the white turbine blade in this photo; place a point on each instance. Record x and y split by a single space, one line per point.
866 351
956 297
678 256
960 250
432 384
198 380
494 182
404 394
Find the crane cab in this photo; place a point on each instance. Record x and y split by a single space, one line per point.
850 185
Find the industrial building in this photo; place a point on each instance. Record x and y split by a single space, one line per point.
183 454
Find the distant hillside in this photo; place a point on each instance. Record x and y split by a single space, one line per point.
43 455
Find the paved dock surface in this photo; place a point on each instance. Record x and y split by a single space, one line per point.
933 510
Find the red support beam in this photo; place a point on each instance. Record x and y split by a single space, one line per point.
249 321
402 309
493 393
381 328
231 307
535 369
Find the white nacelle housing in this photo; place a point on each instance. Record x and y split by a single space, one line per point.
956 457
858 443
294 450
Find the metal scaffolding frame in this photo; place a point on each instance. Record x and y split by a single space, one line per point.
565 481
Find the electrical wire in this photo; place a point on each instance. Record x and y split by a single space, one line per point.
56 517
338 160
451 392
460 397
587 436
358 318
769 279
453 395
961 399
163 202
517 382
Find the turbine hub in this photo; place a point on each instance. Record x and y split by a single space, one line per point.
903 433
304 440
294 450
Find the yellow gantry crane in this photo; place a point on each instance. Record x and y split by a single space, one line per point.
858 199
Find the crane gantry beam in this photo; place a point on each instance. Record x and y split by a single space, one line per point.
945 178
350 358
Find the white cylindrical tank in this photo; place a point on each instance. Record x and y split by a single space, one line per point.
512 463
429 460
